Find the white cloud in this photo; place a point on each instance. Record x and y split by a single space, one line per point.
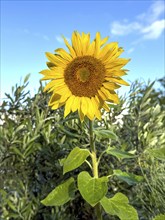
153 13
125 28
61 40
45 37
36 34
131 50
148 25
154 30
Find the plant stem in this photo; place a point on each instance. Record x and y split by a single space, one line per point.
94 166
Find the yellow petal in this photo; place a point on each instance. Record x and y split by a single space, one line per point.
68 105
96 105
115 72
91 109
117 80
111 85
81 115
57 105
106 107
118 63
54 98
56 59
119 52
98 114
85 42
102 95
72 52
114 98
49 85
50 64
113 56
110 95
60 94
108 51
91 49
49 74
65 96
64 54
76 104
57 88
97 44
84 105
103 41
76 43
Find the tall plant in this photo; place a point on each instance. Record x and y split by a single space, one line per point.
84 80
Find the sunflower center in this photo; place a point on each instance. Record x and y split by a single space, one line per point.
84 76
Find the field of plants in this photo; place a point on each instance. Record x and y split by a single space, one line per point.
34 139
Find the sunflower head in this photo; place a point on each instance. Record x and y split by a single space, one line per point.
85 78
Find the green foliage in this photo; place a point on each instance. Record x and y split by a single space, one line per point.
119 205
102 134
119 153
76 157
129 178
159 217
34 138
61 194
158 153
92 189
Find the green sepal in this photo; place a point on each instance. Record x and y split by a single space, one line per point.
119 206
76 157
92 189
61 194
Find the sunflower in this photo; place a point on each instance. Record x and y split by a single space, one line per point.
84 79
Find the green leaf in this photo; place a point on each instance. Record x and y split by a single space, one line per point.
26 78
19 128
76 157
61 194
119 205
119 153
11 205
158 153
61 161
159 217
147 93
92 189
16 151
101 133
129 178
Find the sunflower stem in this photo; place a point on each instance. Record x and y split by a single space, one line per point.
94 166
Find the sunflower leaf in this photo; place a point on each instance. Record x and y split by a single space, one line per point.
61 194
102 133
159 217
129 178
119 153
76 157
92 189
119 206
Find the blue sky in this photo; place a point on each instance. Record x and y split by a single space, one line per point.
31 28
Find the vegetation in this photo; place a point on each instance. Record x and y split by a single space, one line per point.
34 139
